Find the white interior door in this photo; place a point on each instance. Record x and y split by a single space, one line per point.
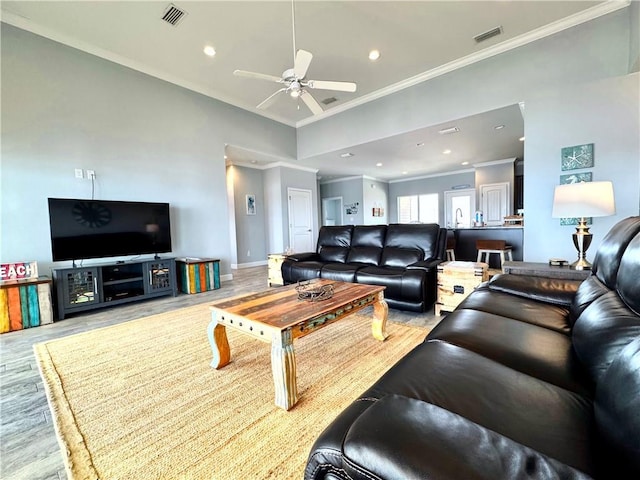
300 220
495 202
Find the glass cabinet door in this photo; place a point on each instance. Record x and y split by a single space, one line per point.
159 276
80 287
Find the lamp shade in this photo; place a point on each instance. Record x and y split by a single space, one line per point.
585 199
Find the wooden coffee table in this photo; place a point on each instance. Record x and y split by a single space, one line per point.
278 317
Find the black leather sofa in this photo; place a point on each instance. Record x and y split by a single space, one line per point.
401 257
529 377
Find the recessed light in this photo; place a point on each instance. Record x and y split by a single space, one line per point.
521 139
404 173
374 55
446 152
209 50
254 161
420 144
465 163
446 131
379 164
346 155
499 127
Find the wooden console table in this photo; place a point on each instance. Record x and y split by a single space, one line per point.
540 269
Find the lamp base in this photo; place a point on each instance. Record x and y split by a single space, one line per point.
582 239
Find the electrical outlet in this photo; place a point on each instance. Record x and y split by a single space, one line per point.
248 253
91 174
79 173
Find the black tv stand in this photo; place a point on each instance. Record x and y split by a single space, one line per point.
79 289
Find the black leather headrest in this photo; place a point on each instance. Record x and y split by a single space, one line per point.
613 246
368 236
629 275
334 236
421 236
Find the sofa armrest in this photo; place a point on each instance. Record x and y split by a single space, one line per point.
303 257
401 437
543 289
426 265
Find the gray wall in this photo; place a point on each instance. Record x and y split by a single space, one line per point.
146 139
250 229
350 190
604 113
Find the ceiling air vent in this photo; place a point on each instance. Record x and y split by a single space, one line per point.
329 100
173 15
488 34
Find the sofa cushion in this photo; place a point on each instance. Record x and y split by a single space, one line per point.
329 253
392 438
400 257
549 290
420 236
334 242
603 329
537 351
340 272
399 283
365 255
628 285
368 236
553 317
554 421
296 271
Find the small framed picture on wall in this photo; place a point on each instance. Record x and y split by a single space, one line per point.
251 204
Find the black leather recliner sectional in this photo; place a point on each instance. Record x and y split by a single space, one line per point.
529 377
401 257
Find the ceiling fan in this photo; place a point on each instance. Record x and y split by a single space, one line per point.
294 79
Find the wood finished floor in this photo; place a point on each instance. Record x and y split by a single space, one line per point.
28 446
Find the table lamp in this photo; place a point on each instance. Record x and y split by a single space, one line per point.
582 200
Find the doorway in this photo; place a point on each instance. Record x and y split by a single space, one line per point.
300 220
332 211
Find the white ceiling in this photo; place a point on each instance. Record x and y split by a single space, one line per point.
417 40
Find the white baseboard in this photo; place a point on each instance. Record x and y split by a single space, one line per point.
226 278
248 265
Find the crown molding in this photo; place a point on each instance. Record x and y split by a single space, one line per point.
495 162
267 166
433 175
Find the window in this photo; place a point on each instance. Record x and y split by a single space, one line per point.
418 208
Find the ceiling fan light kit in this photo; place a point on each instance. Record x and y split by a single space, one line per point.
294 79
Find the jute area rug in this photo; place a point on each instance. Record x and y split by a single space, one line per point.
139 400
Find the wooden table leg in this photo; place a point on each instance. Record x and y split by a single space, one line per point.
283 366
219 343
380 313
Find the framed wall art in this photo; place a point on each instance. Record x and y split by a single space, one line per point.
576 157
251 204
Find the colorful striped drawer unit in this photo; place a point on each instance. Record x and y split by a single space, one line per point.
197 275
25 304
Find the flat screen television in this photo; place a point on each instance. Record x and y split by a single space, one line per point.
106 228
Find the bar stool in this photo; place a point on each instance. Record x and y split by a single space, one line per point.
451 245
487 247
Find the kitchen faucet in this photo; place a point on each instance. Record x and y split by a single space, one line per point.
457 222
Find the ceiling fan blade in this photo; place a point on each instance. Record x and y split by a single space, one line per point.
326 85
311 102
302 62
260 76
269 100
